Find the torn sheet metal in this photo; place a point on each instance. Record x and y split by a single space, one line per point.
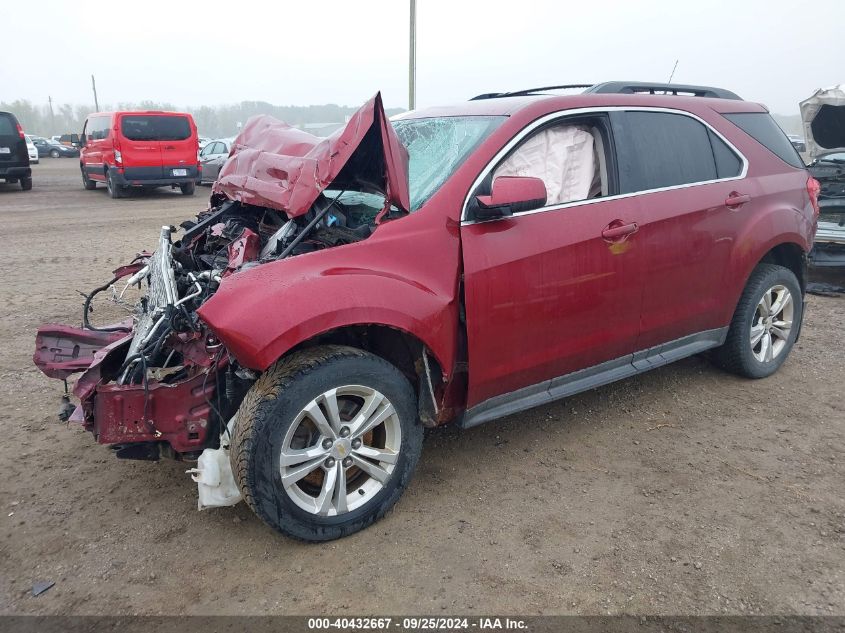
275 165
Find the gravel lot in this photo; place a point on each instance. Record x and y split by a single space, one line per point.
682 491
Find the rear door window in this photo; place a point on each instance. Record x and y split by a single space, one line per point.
763 129
139 127
728 164
662 149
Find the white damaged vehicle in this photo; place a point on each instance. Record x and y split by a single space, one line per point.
823 116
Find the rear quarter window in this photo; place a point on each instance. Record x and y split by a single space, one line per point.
7 125
763 129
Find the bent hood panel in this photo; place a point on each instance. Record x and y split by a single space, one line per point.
823 116
277 166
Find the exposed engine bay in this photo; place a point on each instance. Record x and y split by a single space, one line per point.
169 340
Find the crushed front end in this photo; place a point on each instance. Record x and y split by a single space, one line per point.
160 383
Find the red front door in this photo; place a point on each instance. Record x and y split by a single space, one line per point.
546 294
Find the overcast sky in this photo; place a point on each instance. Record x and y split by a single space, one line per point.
342 51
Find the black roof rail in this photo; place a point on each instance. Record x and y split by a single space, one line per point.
624 87
639 87
529 91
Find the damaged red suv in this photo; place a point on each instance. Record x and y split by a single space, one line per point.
455 265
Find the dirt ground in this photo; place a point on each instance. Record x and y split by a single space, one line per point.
682 491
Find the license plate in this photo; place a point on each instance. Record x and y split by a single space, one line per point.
5 150
180 172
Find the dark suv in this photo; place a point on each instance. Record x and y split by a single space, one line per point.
14 156
454 265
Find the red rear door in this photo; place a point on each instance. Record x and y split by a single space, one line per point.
179 144
685 174
140 147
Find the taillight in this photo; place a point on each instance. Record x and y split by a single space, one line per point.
20 131
118 157
814 188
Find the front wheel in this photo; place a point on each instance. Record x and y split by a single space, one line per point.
87 182
765 325
54 153
325 442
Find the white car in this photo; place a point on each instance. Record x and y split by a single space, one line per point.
33 151
212 157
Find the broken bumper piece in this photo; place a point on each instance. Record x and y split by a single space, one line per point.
119 414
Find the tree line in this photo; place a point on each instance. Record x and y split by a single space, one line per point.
212 121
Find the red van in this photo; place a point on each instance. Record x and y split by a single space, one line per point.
139 149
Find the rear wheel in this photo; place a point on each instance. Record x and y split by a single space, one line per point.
26 184
114 189
765 325
187 188
54 153
325 442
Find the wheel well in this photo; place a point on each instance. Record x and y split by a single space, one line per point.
397 347
789 256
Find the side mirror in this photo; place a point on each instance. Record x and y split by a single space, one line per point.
77 140
511 194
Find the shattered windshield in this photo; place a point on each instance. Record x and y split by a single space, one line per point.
437 147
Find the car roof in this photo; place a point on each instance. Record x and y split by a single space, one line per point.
540 103
131 112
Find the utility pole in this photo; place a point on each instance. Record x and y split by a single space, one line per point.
412 59
94 88
52 118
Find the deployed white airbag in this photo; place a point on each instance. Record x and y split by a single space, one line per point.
563 157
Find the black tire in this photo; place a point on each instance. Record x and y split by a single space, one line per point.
736 354
268 411
87 182
114 189
187 188
54 153
26 184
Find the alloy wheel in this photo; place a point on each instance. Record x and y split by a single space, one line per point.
772 323
340 450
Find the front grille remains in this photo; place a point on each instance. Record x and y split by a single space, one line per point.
160 295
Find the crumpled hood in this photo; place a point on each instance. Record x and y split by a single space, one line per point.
275 165
823 116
